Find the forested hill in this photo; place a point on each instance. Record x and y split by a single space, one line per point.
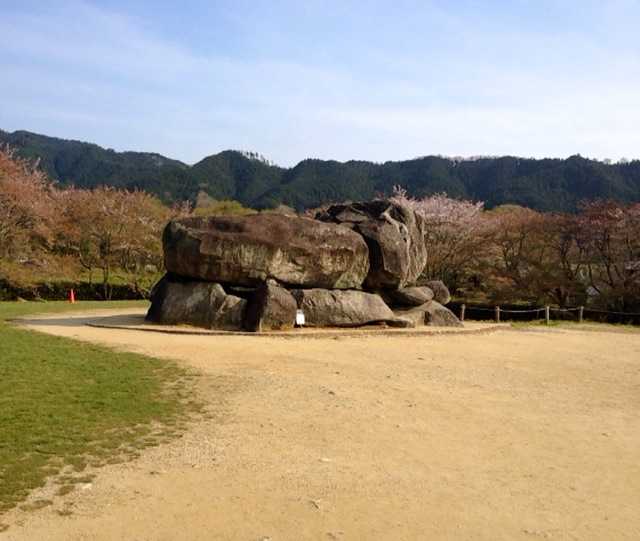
548 184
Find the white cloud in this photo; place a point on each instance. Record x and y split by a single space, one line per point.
87 73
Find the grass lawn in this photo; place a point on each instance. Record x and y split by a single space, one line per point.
66 404
574 325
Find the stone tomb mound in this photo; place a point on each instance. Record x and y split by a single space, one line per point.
354 265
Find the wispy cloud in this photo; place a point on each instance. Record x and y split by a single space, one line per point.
387 85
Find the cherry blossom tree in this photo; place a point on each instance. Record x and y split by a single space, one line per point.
26 206
114 231
609 236
454 234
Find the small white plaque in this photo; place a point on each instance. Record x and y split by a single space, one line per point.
299 318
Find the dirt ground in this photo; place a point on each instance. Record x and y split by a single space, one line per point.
511 435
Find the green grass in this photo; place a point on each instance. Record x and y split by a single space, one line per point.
9 310
66 404
584 326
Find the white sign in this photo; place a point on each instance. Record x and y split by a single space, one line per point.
299 318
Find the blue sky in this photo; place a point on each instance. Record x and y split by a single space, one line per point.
335 79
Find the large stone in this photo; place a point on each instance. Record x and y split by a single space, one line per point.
394 235
415 315
333 308
440 291
247 250
409 296
432 314
176 301
436 315
271 308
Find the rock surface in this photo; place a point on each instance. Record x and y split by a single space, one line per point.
436 315
247 250
409 296
394 235
432 314
271 308
202 304
333 308
440 291
253 272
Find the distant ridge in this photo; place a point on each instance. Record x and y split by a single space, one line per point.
545 184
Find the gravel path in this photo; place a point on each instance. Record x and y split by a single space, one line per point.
508 435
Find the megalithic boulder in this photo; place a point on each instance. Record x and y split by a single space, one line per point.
440 291
270 308
176 301
333 308
432 314
394 235
248 250
408 296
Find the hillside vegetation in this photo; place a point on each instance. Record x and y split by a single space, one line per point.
105 243
546 185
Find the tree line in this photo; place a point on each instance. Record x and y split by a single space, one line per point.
103 234
111 237
549 185
515 254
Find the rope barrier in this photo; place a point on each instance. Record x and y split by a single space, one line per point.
551 309
503 311
632 314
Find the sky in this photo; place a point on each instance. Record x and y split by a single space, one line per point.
374 80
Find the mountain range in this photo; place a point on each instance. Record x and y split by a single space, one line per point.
543 184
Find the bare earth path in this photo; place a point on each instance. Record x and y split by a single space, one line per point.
510 435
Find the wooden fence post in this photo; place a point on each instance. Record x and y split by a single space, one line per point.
497 314
463 309
546 315
580 313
